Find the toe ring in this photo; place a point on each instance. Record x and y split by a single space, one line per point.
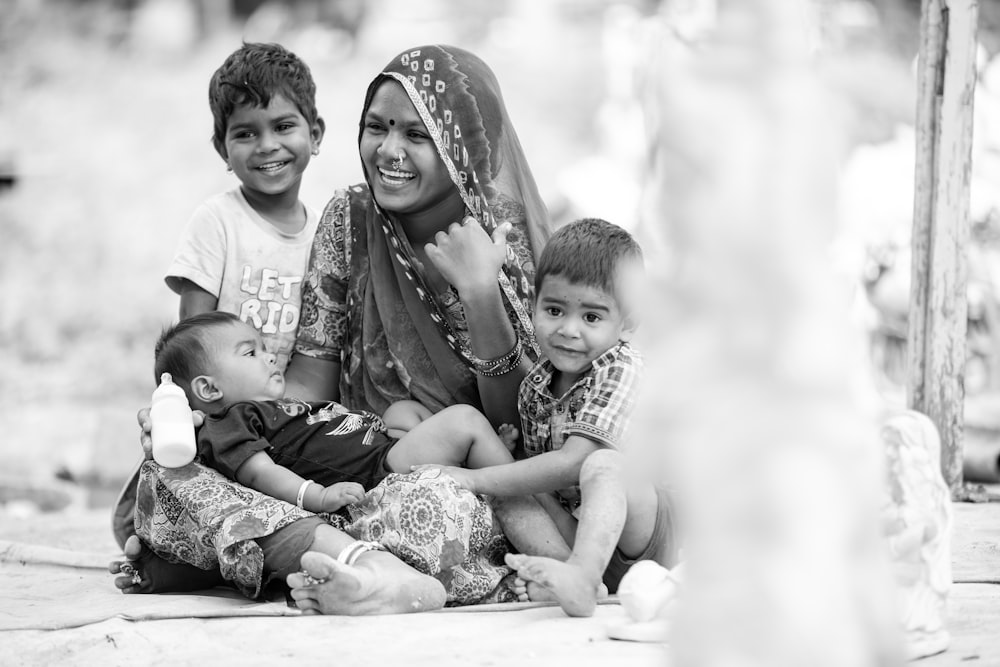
129 569
311 580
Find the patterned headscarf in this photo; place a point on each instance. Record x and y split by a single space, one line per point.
458 98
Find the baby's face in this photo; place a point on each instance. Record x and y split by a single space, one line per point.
242 368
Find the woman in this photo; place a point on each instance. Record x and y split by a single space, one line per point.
418 288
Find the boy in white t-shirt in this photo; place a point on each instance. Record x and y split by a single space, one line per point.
245 251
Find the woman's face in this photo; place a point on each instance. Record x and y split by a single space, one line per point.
393 130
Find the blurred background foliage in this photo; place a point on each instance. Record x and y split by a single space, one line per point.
105 151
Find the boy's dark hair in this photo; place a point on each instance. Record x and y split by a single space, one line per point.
253 74
588 252
181 349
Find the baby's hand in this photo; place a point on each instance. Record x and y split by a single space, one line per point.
340 494
508 436
464 477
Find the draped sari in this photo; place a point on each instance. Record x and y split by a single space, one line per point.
367 305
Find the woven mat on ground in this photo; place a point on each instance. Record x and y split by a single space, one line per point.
47 588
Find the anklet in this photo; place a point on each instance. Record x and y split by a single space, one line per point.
348 556
353 550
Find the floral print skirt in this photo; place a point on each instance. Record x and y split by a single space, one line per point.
195 515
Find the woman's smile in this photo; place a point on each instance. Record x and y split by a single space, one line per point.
395 178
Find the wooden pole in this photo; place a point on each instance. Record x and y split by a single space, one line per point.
946 80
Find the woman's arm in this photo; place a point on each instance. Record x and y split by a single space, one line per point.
492 336
312 379
470 261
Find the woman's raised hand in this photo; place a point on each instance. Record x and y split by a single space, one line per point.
467 257
146 429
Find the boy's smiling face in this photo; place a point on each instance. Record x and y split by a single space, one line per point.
269 148
576 323
242 369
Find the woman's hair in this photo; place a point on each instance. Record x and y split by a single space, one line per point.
587 252
252 75
183 351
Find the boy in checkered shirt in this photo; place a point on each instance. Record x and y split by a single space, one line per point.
575 405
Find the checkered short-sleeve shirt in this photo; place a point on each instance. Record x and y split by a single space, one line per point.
598 406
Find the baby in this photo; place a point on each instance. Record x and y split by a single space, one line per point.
320 456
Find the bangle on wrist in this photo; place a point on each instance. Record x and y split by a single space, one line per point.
500 365
301 496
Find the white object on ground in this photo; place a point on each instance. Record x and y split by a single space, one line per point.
646 593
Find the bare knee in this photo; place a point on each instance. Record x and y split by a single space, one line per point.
467 417
600 464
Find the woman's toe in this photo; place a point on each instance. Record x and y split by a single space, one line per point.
318 565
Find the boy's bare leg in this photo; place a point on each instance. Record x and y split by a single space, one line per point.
529 591
576 583
529 527
378 582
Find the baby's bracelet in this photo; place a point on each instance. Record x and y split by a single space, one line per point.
301 495
501 365
353 550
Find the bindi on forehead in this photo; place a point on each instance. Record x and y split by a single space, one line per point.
392 121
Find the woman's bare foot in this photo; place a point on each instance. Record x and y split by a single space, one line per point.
143 571
569 584
378 583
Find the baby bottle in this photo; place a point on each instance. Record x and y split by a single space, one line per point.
172 425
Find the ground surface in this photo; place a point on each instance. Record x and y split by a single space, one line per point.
522 637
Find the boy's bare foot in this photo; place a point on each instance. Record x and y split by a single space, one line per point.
378 583
143 571
529 591
570 585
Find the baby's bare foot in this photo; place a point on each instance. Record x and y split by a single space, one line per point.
570 585
377 584
508 434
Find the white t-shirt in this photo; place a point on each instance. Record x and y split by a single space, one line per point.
253 269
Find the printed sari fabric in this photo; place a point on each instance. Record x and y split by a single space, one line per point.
365 302
424 519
